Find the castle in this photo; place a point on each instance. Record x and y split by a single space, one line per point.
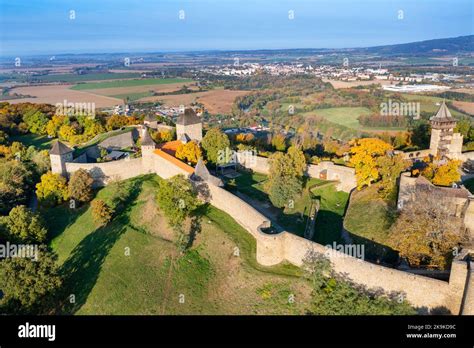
457 295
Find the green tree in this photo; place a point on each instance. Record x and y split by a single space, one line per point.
281 190
177 198
24 226
333 295
52 189
80 186
36 121
285 176
16 182
420 134
29 286
215 144
101 213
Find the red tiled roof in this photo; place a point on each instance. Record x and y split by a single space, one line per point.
170 147
174 160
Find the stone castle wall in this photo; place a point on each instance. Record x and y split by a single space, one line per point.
327 170
102 173
273 249
422 292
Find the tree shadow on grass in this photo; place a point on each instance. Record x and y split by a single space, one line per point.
82 269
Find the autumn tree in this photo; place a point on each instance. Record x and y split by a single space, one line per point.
29 286
52 189
53 126
447 173
24 226
189 152
390 168
364 155
215 145
80 186
102 213
426 232
279 142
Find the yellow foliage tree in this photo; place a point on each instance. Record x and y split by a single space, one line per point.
364 154
66 132
447 173
189 152
52 188
53 126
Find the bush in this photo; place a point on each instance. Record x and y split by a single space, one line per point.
80 186
101 212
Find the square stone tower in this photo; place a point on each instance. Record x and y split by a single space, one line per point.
59 155
189 126
444 142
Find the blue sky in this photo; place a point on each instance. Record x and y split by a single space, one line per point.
44 26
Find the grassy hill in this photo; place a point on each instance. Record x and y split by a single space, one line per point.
152 279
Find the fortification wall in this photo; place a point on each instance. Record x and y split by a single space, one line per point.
422 292
273 249
107 171
328 170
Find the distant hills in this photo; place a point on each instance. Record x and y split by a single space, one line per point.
436 47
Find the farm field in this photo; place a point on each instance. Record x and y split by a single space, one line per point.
428 103
215 101
127 83
349 84
152 279
160 88
467 107
58 93
348 117
71 78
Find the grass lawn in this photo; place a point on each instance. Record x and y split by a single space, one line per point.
329 219
41 142
331 211
368 220
152 278
127 83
